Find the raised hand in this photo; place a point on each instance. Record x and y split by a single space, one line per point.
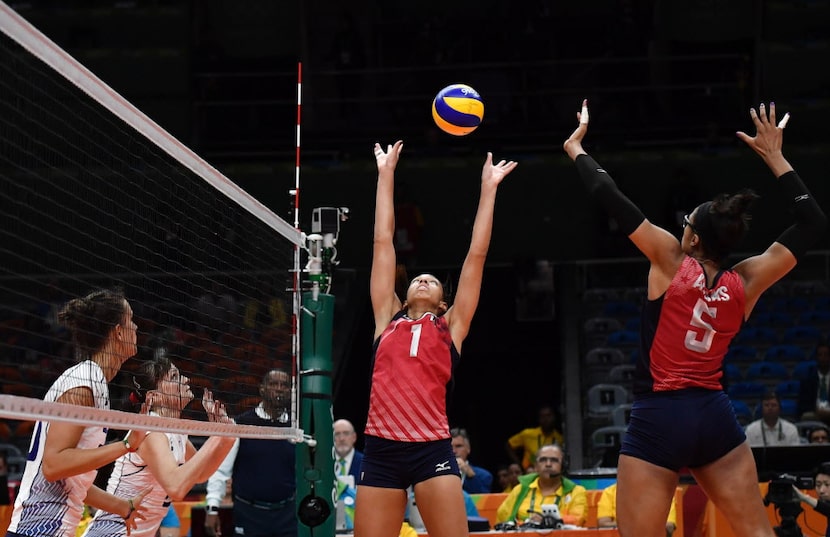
768 137
494 173
214 408
573 145
387 160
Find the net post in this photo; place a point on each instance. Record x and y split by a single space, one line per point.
315 464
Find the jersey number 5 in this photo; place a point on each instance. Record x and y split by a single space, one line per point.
705 342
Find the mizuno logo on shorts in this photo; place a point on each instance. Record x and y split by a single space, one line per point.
442 466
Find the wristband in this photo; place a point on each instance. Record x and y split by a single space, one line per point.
132 508
130 449
212 509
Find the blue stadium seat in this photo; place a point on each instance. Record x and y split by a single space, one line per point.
623 338
621 308
788 388
784 353
762 371
801 334
771 318
732 373
756 334
747 390
819 318
804 370
790 304
741 354
742 411
789 409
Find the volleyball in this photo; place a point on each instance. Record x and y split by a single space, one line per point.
458 109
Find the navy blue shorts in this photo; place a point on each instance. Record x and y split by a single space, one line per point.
682 429
396 465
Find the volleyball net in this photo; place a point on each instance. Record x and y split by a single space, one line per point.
96 195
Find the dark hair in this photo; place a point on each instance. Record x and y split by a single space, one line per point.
823 468
770 395
819 428
91 318
723 222
149 375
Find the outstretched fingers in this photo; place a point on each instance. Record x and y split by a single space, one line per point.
388 158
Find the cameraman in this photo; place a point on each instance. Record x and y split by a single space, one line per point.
822 504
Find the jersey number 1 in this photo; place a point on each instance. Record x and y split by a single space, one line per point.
416 339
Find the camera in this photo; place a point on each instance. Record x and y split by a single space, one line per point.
781 494
781 491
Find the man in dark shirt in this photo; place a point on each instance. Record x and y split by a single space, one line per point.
264 481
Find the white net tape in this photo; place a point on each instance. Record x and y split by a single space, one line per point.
25 408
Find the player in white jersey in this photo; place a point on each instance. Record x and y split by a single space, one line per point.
63 457
166 463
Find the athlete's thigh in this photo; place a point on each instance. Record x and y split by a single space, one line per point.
379 511
731 483
644 495
440 503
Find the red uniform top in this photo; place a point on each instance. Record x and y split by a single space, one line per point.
687 331
411 378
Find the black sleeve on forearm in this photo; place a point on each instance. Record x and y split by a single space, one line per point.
603 189
810 220
823 507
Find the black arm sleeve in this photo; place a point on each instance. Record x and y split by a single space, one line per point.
823 507
810 220
603 189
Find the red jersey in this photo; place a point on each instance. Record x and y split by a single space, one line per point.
411 375
687 331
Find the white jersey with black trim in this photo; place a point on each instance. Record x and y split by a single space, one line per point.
54 508
130 476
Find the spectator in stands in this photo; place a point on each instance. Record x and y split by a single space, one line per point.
508 476
819 435
771 429
697 303
822 503
607 511
474 479
547 485
814 391
347 463
522 446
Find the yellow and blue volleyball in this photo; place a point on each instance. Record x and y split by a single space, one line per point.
458 109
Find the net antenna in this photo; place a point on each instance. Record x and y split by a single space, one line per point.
99 195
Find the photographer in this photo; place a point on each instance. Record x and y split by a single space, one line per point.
822 504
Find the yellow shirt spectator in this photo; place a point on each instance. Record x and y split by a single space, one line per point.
530 440
607 510
571 498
